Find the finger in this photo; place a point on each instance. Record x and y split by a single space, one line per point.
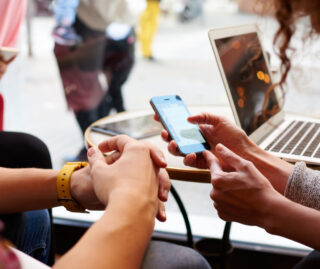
164 185
190 159
115 143
207 130
195 160
212 162
229 157
205 118
3 68
155 117
165 136
161 213
11 59
173 148
113 157
95 157
156 155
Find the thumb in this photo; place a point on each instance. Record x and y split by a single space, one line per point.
95 156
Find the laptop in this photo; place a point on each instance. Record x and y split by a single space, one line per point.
247 79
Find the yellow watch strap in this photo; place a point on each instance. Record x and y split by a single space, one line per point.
63 186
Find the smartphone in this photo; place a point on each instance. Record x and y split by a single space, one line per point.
7 53
173 115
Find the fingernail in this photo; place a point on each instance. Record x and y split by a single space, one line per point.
165 193
91 151
163 212
219 147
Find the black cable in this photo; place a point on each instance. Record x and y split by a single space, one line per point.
184 215
225 244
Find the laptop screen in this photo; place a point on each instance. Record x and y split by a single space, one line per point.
248 78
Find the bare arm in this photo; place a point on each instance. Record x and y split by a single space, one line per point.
32 189
294 221
277 171
120 237
27 189
246 196
217 130
117 240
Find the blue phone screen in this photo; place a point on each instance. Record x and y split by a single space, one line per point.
184 132
174 113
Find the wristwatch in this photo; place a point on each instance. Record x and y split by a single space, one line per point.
63 187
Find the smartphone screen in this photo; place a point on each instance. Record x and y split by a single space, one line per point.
173 115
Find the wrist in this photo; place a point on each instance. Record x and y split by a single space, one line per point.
64 189
277 171
134 204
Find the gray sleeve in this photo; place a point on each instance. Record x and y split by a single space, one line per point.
303 186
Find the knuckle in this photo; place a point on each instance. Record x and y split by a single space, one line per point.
246 165
124 137
139 146
217 180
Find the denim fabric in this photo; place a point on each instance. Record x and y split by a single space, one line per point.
30 232
66 10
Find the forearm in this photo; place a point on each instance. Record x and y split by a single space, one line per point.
277 171
294 221
117 240
27 189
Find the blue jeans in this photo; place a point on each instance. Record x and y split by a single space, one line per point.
30 232
66 10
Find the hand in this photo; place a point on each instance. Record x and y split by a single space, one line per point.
3 67
243 195
134 169
82 191
216 129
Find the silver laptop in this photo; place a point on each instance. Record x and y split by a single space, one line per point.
255 104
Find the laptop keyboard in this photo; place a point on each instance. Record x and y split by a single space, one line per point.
300 138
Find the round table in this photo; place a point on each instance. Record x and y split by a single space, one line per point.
176 169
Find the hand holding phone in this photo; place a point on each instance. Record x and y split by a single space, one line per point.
173 115
7 54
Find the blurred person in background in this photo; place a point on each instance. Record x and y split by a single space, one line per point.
107 47
65 15
148 25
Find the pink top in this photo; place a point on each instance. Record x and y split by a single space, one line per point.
11 15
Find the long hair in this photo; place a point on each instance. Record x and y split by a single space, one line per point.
287 12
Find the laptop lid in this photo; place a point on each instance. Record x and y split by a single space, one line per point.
247 79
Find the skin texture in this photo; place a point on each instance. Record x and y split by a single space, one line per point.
4 66
248 183
120 237
244 195
217 129
36 188
130 183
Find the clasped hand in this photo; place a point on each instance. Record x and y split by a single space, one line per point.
133 168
